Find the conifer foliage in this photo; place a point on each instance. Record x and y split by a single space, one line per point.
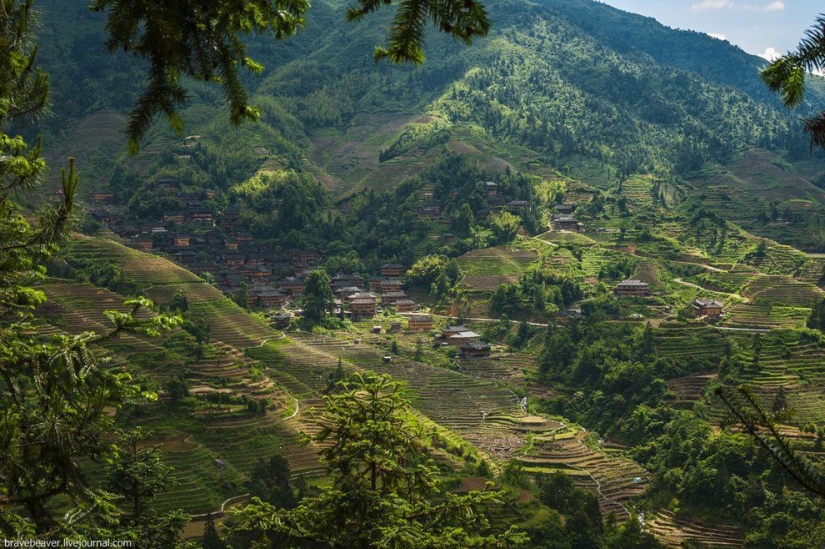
53 393
384 489
201 39
786 76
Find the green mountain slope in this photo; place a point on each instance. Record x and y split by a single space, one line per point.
566 78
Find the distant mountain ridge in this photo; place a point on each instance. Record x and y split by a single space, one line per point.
588 87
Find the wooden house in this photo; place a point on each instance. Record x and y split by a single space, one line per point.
271 297
182 241
363 307
463 338
709 308
281 320
420 323
293 285
404 305
173 217
342 280
390 285
142 244
453 330
393 269
103 196
475 350
565 223
201 215
518 205
389 298
229 218
632 288
234 260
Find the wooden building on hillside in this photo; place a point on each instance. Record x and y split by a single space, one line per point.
566 223
475 350
363 307
393 269
633 288
709 308
463 338
420 323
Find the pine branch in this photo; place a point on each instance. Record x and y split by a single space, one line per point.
761 425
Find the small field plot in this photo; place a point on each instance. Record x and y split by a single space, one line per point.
782 290
143 268
486 270
497 261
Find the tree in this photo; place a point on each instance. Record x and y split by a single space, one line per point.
137 475
54 396
211 539
505 226
202 40
383 490
270 482
746 410
786 76
318 299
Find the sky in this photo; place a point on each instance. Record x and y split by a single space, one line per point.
761 27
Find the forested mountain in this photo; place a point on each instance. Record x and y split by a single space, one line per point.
576 81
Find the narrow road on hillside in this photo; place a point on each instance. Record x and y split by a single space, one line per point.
706 267
476 319
737 297
749 330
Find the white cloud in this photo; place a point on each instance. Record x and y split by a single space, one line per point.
712 5
777 5
770 54
718 35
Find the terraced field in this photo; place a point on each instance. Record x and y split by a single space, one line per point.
497 261
637 190
616 480
783 291
765 316
673 531
146 269
74 308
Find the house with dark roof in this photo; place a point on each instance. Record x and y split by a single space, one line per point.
463 338
633 288
363 307
393 269
475 350
709 308
566 223
419 323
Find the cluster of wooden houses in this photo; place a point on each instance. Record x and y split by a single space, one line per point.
700 307
385 291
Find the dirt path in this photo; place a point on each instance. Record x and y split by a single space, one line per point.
737 297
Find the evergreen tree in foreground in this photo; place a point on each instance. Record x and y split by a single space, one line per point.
53 394
384 489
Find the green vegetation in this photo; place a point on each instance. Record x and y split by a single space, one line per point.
383 488
580 411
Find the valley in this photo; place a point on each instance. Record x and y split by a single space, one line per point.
589 264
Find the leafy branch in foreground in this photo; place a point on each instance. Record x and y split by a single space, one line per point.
383 489
786 75
461 19
201 40
762 425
